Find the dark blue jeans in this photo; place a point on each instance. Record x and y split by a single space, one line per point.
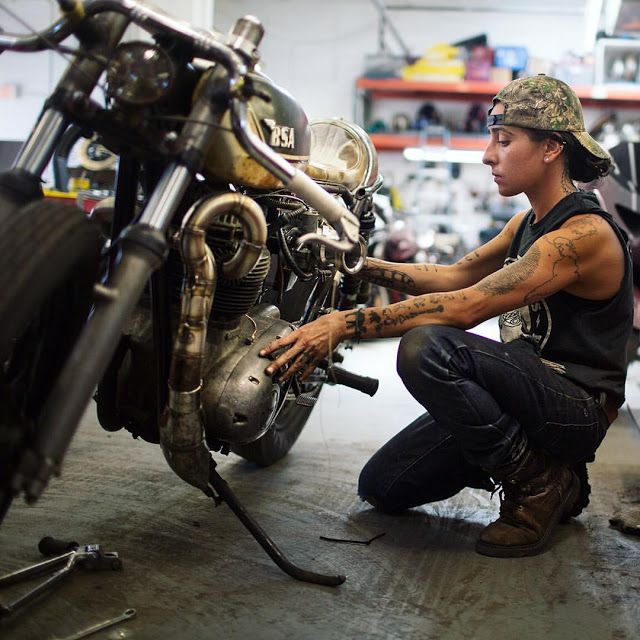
487 403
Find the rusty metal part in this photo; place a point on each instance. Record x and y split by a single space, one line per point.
182 428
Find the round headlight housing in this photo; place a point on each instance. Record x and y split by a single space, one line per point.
140 73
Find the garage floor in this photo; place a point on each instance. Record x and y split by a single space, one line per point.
192 571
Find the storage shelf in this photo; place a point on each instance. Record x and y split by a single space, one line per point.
370 89
598 95
389 87
399 141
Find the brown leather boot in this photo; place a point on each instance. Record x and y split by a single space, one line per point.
536 493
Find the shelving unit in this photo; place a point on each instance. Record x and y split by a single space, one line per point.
370 89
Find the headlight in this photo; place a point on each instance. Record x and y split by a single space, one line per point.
140 73
342 152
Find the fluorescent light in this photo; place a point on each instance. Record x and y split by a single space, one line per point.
442 154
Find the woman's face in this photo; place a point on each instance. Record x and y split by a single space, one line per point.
516 161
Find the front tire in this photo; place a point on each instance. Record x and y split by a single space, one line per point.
49 260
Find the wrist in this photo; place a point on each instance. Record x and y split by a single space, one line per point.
353 324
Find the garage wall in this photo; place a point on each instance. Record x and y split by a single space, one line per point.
32 74
316 50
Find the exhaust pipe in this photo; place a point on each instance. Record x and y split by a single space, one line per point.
182 426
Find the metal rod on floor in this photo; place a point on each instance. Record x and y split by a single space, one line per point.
220 486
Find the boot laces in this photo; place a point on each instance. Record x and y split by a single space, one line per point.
509 496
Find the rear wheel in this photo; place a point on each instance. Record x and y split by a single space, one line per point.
283 433
49 259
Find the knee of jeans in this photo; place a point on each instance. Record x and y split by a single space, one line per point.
369 487
420 347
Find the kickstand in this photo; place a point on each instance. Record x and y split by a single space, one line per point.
217 484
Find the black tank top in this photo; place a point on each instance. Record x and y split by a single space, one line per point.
585 340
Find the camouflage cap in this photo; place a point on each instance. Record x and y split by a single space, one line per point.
543 102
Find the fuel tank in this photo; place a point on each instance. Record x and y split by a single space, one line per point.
279 121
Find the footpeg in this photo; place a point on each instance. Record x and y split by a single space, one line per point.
306 400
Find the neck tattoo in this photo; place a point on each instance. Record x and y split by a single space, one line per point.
567 186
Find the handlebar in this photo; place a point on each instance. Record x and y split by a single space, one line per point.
207 44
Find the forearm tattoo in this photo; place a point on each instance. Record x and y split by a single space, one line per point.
355 321
374 323
470 257
389 278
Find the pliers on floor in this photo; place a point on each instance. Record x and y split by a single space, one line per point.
88 556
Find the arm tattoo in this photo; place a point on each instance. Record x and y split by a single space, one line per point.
508 278
355 320
389 278
426 267
376 320
561 249
470 257
583 227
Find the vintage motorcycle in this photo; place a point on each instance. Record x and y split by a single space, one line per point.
234 221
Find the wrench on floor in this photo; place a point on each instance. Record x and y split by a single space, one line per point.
129 613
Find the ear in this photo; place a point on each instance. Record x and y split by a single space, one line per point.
552 149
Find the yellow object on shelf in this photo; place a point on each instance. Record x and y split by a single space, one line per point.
439 63
79 184
63 195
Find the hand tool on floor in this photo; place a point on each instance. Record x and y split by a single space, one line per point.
88 556
129 613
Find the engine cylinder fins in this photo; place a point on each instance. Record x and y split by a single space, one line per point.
235 297
224 236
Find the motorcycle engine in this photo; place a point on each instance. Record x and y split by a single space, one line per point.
239 401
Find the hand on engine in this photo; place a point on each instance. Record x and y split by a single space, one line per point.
305 347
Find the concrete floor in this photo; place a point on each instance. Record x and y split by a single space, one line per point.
193 572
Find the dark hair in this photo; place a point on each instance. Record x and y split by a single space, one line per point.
581 164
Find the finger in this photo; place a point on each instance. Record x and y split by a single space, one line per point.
308 370
276 344
288 357
296 365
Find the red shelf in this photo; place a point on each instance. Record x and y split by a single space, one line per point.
399 141
599 95
455 90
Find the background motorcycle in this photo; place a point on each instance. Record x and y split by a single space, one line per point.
219 241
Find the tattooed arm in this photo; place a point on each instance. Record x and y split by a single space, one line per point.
416 279
584 257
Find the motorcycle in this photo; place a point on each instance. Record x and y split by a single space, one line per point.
233 221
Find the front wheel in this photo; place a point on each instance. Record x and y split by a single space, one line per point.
49 259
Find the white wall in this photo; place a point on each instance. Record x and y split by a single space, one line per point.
33 73
316 49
